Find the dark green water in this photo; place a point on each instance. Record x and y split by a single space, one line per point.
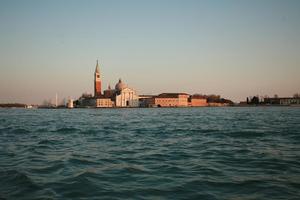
188 153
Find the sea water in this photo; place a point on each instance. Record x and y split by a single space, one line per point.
156 153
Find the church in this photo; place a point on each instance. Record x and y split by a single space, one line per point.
120 96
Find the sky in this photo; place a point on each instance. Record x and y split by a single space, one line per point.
234 48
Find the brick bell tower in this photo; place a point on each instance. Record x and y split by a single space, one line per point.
97 81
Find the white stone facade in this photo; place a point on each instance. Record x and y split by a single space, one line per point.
127 97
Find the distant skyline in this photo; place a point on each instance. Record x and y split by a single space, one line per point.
232 48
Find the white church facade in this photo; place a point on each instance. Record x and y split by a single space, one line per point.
121 96
127 97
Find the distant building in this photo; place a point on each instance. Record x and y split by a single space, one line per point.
104 103
283 101
289 101
171 100
121 96
145 100
181 100
70 103
217 104
86 101
197 101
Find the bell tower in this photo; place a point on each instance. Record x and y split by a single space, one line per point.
97 81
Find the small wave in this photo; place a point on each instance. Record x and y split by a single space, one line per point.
50 168
90 132
66 130
20 131
135 169
42 130
44 144
82 185
84 174
15 183
124 168
6 129
245 133
48 142
81 161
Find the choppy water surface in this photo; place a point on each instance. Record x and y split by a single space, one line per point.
187 153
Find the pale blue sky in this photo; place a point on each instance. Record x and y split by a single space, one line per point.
232 48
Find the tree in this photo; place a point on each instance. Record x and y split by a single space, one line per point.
255 100
213 98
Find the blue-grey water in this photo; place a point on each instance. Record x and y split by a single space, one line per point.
184 153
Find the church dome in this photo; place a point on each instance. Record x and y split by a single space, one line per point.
120 85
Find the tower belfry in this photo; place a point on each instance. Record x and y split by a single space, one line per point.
97 81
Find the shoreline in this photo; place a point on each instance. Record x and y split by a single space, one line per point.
231 106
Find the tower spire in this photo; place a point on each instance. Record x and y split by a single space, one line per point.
97 67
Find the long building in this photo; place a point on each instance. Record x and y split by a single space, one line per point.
174 100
